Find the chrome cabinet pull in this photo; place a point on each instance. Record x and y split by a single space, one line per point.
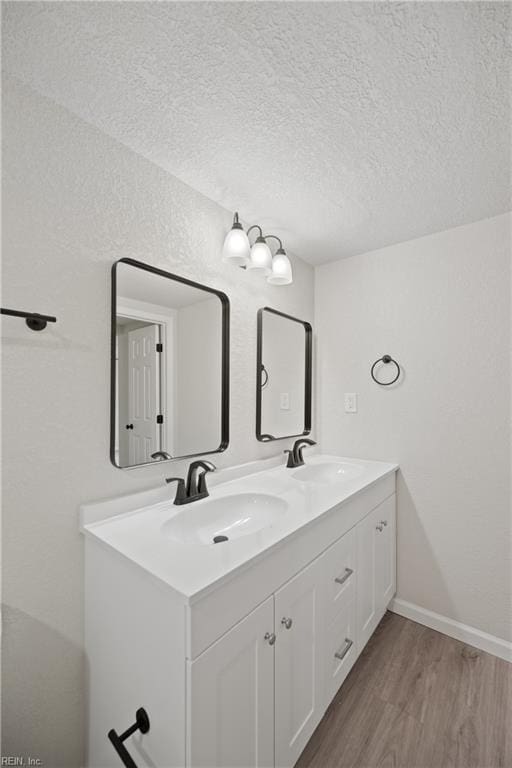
384 522
379 527
347 575
270 638
344 650
287 623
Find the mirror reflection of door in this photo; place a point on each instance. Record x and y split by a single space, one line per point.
140 360
144 393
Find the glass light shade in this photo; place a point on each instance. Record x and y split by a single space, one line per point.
261 257
281 269
236 248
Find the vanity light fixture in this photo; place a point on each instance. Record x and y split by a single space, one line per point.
257 257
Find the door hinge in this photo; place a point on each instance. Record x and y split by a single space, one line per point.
159 347
160 419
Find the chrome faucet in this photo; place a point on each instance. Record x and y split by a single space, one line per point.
195 486
295 457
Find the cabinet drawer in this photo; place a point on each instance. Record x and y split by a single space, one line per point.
340 650
340 575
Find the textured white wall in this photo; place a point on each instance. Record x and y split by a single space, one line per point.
441 306
75 201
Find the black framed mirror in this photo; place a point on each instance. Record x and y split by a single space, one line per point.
283 376
169 366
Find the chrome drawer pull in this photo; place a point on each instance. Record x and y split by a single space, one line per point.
270 638
343 651
287 623
384 523
342 579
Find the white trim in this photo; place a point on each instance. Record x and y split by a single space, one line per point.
470 635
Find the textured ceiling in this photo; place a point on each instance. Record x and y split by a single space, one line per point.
341 126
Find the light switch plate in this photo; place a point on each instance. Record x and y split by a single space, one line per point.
350 402
284 399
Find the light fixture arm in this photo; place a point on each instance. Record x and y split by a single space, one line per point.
275 237
255 226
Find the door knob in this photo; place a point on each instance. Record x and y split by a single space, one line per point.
129 426
287 623
270 638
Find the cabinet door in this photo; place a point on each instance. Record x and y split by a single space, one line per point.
376 566
385 551
231 697
298 668
367 608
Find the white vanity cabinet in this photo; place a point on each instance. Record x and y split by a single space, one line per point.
241 676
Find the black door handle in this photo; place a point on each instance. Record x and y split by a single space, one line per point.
141 724
129 426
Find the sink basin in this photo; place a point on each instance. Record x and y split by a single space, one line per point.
225 519
327 472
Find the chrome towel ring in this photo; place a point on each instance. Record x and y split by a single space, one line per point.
385 359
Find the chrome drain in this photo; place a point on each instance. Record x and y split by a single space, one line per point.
218 539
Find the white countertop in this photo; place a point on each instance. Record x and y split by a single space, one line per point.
190 569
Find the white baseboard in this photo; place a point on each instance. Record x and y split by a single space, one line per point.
475 637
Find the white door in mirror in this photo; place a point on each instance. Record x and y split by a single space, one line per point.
144 393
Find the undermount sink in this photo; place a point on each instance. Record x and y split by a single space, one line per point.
224 519
327 472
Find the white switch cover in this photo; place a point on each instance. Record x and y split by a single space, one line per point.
350 402
284 401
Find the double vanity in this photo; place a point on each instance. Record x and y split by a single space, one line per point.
234 620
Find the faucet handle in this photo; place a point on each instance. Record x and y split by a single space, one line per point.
181 491
290 463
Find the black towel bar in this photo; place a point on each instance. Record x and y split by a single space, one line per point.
141 724
34 320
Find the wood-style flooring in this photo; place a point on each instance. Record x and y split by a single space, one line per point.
417 699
